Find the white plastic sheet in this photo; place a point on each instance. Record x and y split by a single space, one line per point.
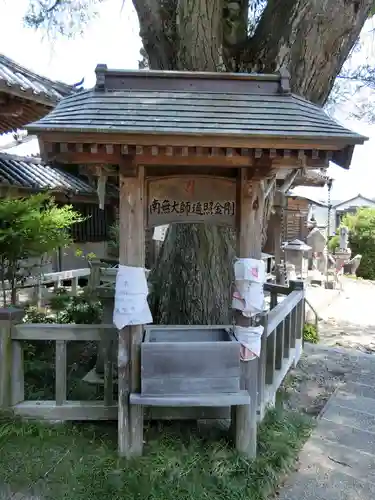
248 295
250 339
131 306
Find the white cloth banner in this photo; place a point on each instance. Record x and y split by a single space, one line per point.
253 270
131 306
250 339
248 295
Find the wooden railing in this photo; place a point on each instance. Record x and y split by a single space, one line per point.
12 380
281 348
282 341
39 285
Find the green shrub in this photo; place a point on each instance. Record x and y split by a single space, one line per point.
64 309
40 355
310 333
30 227
362 239
334 243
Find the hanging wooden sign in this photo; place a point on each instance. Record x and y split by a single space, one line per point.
191 199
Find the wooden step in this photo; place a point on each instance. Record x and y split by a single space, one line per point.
227 399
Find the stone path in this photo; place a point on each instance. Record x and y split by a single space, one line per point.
338 461
349 320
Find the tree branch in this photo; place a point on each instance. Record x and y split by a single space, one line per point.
312 39
64 17
157 31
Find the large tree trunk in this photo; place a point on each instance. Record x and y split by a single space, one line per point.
311 38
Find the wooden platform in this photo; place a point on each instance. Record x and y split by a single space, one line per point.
69 410
182 400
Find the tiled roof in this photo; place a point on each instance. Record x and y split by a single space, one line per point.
28 85
146 102
31 173
312 177
25 96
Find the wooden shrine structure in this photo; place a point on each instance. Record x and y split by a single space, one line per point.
191 147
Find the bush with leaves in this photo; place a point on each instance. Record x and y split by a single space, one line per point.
114 241
333 243
310 333
40 355
362 239
65 309
30 228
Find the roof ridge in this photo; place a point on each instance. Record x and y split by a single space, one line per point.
25 159
8 61
33 173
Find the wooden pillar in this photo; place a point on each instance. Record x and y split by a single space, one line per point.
8 318
279 204
132 253
277 236
249 205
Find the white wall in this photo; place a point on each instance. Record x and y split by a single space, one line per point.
321 216
355 202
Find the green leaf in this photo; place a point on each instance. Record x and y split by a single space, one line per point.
32 227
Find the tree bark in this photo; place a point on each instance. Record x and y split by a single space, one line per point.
191 281
311 38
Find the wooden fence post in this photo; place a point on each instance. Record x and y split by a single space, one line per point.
94 278
300 318
132 253
8 317
262 367
250 198
74 288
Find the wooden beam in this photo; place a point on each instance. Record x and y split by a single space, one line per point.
11 109
289 181
220 141
132 253
269 187
69 152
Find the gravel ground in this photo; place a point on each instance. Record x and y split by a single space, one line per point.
347 328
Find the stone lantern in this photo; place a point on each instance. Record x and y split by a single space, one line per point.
296 254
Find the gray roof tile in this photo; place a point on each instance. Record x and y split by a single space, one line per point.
29 85
147 102
31 173
312 177
191 113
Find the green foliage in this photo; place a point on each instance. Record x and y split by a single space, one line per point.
114 241
334 243
64 309
310 333
362 239
180 461
31 228
88 256
40 357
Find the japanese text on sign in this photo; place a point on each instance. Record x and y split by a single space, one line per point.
163 207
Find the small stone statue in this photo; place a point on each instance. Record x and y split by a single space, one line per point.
354 264
344 235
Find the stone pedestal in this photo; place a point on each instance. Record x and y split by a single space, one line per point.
342 257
